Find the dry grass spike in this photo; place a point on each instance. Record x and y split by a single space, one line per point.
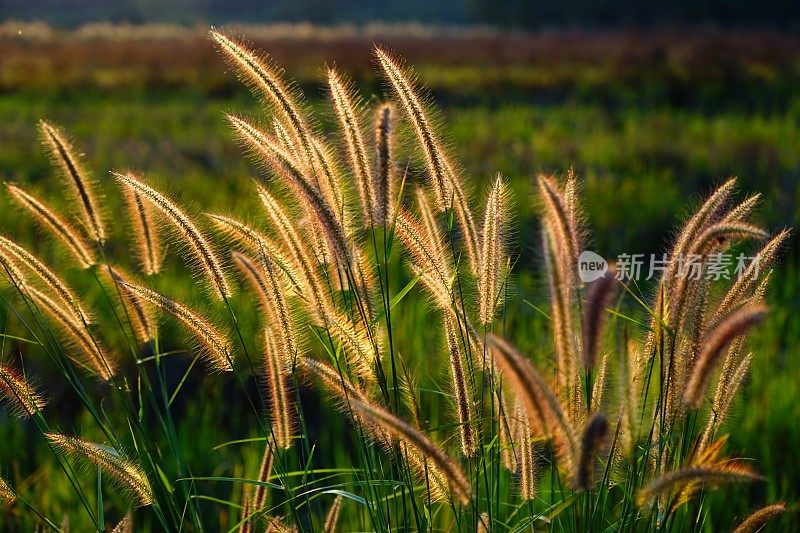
189 234
216 347
52 221
18 393
125 472
64 156
148 245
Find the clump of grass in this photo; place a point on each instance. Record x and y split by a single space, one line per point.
510 440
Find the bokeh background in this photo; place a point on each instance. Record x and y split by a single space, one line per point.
651 103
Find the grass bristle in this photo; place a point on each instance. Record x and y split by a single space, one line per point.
88 352
125 472
50 220
18 393
65 157
216 347
210 265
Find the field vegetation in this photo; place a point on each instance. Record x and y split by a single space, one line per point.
483 350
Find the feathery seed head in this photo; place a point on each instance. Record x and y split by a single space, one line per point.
186 230
140 314
64 156
19 394
541 404
461 391
93 355
492 252
598 299
701 219
276 372
125 472
264 472
266 79
7 495
715 474
333 515
403 86
53 222
347 111
308 192
594 434
17 255
757 520
715 345
216 347
419 442
148 245
385 174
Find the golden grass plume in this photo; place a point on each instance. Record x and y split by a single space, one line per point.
49 219
211 267
148 242
65 157
216 347
759 518
18 393
122 470
92 355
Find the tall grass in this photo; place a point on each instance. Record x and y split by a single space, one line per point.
600 431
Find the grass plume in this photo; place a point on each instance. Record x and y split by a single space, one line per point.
146 236
460 391
332 518
758 519
92 354
52 221
276 369
211 266
18 393
714 346
65 157
384 176
52 281
422 444
492 252
347 112
216 347
125 472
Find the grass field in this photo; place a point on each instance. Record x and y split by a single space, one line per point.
651 124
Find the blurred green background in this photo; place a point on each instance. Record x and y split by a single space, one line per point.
651 121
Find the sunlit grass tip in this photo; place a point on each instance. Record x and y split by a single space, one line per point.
65 156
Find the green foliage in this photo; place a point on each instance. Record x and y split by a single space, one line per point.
638 164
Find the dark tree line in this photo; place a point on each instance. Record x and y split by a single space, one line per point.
516 13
